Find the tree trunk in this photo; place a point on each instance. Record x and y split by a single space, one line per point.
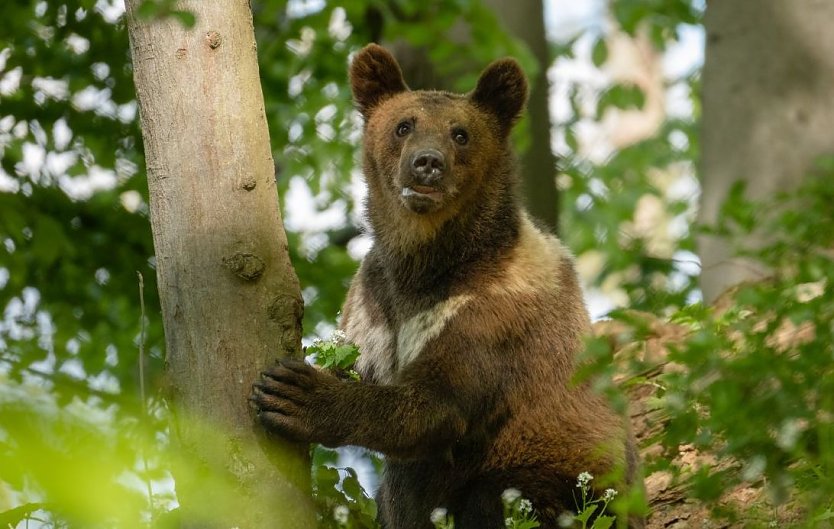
767 80
230 298
524 19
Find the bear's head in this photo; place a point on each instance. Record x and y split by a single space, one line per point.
429 155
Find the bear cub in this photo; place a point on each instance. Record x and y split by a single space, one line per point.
468 318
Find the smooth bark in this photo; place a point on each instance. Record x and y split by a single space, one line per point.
230 299
767 113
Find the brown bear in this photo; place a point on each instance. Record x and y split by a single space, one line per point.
468 317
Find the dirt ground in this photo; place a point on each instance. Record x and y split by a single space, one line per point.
669 506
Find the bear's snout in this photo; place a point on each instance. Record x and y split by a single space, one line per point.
428 166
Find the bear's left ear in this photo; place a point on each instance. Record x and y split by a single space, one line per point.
502 90
374 77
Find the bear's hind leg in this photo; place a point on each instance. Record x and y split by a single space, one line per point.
479 506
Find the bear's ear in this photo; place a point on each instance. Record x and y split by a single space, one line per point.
502 90
374 77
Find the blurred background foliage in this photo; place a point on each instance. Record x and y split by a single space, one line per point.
76 447
737 394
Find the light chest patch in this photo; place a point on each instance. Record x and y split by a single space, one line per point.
384 352
376 343
421 328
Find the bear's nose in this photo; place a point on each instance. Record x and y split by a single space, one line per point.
428 165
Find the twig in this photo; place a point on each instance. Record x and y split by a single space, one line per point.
142 387
142 341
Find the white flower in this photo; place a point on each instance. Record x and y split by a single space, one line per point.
524 506
508 522
510 495
609 494
565 520
583 479
338 337
438 516
340 514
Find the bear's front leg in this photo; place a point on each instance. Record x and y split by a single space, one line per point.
296 401
407 420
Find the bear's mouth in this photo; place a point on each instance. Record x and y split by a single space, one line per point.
418 191
422 199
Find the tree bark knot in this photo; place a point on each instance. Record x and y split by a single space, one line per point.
245 265
214 39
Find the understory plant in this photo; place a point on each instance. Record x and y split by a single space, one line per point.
751 390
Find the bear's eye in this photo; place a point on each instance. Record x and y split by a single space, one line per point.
460 136
403 128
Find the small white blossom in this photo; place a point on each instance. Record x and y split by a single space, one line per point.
609 495
338 337
789 433
438 515
754 468
340 514
508 522
583 479
565 520
510 495
524 506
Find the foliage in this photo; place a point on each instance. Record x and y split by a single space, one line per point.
771 354
74 231
621 207
606 195
591 511
73 227
81 463
661 19
335 354
518 511
159 9
754 379
340 498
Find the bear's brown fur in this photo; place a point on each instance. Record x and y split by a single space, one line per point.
468 317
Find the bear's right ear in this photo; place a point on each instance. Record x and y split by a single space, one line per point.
374 77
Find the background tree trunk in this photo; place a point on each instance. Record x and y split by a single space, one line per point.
767 112
524 19
230 298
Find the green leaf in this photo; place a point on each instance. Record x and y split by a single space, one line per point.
600 52
827 515
148 9
326 477
186 18
586 514
13 517
603 522
352 487
621 96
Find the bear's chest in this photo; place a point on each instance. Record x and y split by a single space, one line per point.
388 345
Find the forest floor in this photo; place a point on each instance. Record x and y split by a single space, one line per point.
671 507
